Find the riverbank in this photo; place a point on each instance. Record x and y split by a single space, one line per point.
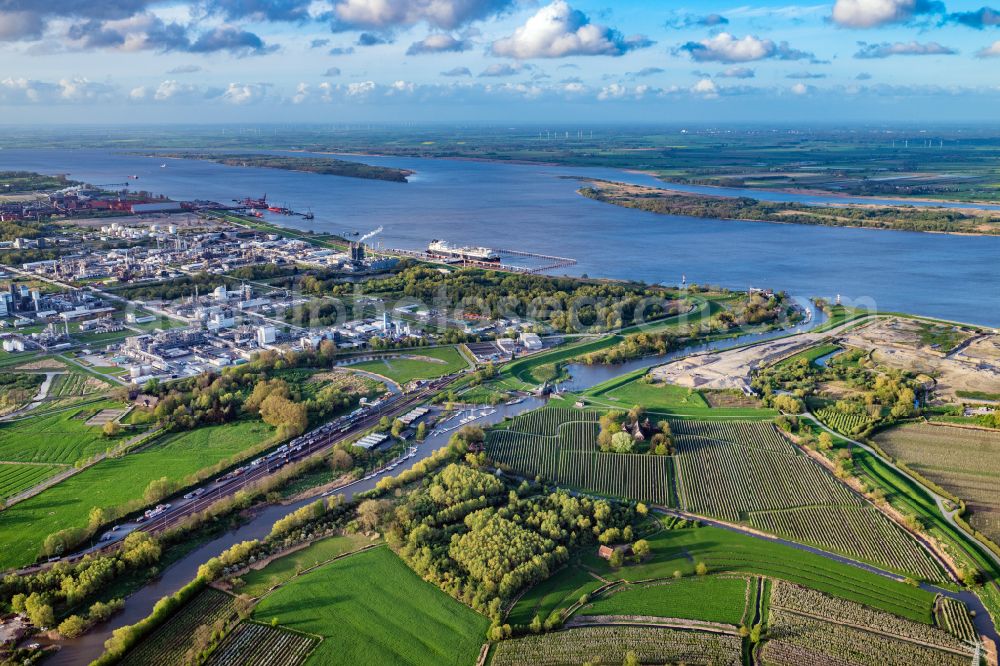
966 221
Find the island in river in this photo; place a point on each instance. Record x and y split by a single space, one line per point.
900 218
327 166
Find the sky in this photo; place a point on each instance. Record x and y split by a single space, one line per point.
333 61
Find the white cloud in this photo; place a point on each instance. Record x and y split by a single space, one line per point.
82 89
801 89
498 69
22 91
399 87
444 14
706 88
737 73
20 25
992 51
166 90
360 89
887 50
301 93
875 13
438 43
557 30
725 47
244 93
184 69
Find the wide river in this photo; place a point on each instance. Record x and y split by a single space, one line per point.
536 208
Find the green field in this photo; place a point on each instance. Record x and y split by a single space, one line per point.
667 399
810 354
60 437
115 481
709 598
446 360
724 550
371 608
17 477
561 590
840 314
285 568
521 374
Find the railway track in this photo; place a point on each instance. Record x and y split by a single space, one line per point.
220 488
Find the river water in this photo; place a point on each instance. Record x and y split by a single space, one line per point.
536 208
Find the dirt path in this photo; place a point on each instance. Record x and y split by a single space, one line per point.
650 621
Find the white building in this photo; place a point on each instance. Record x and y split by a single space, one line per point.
266 335
531 341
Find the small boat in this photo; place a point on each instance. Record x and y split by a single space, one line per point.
163 166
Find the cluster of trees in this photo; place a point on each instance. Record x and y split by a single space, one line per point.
632 432
17 389
482 540
564 303
173 289
636 345
878 394
47 595
745 208
257 388
16 182
754 309
320 518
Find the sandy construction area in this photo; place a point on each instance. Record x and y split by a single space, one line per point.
972 365
732 369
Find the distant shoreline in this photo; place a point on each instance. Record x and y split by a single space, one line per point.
882 217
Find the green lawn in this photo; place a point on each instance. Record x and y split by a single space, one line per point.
403 370
372 609
724 550
284 569
520 374
562 590
708 598
811 354
24 526
840 314
17 477
628 390
61 437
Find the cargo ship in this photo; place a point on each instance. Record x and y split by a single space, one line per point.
443 250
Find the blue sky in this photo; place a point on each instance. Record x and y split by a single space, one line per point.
126 61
